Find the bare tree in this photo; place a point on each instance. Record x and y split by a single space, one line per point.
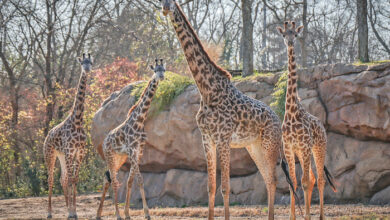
361 16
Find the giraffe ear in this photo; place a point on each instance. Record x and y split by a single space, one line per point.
79 59
151 67
280 30
299 29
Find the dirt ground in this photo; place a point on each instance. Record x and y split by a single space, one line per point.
35 208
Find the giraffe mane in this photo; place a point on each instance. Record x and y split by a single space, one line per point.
139 99
222 71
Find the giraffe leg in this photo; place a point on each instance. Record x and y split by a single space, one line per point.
290 157
266 157
50 160
304 159
211 157
115 187
319 153
77 165
312 182
64 177
129 184
224 158
69 172
140 182
106 184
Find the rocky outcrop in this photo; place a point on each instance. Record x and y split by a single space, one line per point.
352 101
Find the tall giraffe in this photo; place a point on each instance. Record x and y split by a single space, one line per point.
227 118
67 142
303 134
127 142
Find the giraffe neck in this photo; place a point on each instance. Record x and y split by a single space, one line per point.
78 105
291 93
139 110
205 72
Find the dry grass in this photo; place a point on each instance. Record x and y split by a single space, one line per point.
35 208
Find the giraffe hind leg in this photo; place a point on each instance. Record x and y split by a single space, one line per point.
265 157
64 177
50 160
106 185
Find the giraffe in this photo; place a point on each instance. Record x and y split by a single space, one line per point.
67 142
227 118
127 142
303 134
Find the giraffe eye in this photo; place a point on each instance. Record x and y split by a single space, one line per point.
284 35
296 35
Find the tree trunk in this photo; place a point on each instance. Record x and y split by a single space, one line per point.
50 94
264 39
304 35
362 30
247 38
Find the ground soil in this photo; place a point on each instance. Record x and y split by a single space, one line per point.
36 207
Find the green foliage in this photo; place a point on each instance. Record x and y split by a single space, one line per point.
359 63
253 76
279 95
168 89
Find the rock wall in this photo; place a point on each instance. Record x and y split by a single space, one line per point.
352 101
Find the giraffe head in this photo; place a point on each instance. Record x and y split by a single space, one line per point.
168 6
86 63
289 33
159 70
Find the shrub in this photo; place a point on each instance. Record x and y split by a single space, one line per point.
279 95
168 89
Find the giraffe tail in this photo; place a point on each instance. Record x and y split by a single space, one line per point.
330 179
284 166
108 177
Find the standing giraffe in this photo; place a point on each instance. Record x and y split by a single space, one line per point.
303 134
127 142
67 141
227 118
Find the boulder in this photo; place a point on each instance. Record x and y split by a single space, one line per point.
352 101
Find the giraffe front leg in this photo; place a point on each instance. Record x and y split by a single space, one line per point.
211 158
130 180
290 157
304 159
69 171
75 179
140 181
224 159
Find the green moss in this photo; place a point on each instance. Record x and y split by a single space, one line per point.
359 63
279 95
168 89
253 76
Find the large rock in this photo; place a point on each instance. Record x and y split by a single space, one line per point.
352 102
355 99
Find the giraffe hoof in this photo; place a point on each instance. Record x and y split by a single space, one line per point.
72 216
98 218
49 216
147 217
127 218
119 218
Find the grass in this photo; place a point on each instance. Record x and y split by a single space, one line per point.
359 63
279 95
168 89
